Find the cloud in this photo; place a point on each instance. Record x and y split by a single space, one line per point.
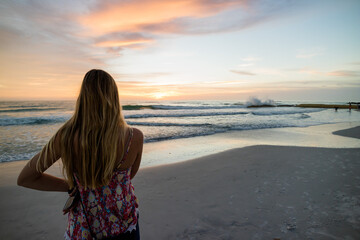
243 72
192 17
116 41
97 30
337 73
314 83
344 73
42 36
58 41
310 53
251 59
217 83
306 70
139 76
245 65
306 55
151 90
139 15
310 71
248 62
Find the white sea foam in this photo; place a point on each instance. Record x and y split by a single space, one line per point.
26 126
254 101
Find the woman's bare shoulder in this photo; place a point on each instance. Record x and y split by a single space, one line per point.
138 135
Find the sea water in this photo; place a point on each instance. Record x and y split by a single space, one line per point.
26 126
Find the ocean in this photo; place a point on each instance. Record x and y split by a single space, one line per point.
26 126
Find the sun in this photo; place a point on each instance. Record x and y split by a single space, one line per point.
163 94
160 95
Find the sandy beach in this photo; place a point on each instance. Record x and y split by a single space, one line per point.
253 192
247 115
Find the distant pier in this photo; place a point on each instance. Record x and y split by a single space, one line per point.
349 105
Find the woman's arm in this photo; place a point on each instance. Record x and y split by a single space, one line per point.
139 145
30 177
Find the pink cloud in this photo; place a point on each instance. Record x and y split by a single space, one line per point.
243 72
344 73
108 16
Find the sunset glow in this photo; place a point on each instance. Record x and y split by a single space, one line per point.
193 49
160 95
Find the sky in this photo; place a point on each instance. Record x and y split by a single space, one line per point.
182 49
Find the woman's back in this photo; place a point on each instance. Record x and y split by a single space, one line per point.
112 209
96 158
133 152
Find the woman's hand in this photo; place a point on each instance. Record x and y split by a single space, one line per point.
73 200
72 191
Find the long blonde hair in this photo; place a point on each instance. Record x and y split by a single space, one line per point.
96 124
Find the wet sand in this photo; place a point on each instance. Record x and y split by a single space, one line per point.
256 192
351 132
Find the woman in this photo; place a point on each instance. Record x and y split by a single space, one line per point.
100 155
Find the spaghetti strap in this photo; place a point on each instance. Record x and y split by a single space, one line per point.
127 146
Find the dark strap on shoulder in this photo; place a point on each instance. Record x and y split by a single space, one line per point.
127 146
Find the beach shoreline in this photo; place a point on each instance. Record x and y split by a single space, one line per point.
251 192
168 152
210 126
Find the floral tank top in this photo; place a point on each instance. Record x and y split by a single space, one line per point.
110 210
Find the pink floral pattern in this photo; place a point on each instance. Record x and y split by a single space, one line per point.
110 209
